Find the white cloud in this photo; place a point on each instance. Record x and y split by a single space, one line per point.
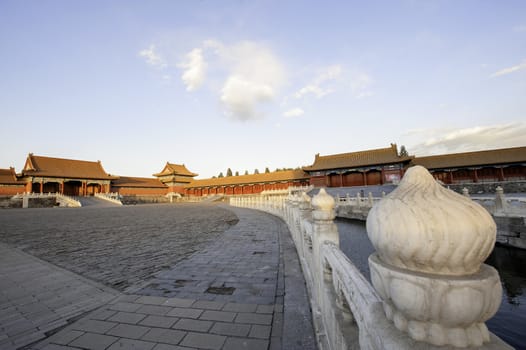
255 77
439 141
194 69
361 85
250 74
295 112
152 57
317 91
241 96
318 87
330 80
509 70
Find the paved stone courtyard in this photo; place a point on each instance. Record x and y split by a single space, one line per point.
117 246
183 277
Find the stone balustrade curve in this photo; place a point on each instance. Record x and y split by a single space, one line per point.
350 313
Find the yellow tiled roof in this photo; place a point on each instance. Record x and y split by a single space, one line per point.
357 159
8 177
59 167
277 176
495 156
175 169
128 181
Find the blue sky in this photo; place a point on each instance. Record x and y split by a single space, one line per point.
255 84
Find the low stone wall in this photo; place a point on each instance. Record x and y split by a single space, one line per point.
6 202
42 202
511 231
489 187
10 203
133 200
350 212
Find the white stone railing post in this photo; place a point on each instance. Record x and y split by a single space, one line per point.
465 192
324 230
428 267
500 199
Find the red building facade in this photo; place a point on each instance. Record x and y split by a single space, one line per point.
65 176
371 167
175 177
364 168
507 164
10 184
138 186
247 184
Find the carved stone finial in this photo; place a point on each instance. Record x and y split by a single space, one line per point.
305 201
323 205
431 243
424 227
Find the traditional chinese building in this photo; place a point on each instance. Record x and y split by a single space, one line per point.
65 176
247 184
175 177
10 184
507 164
138 186
371 167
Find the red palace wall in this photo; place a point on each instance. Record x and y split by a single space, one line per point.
243 189
139 191
11 190
176 189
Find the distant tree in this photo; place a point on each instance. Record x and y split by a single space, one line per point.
246 172
267 170
403 152
256 171
229 172
237 173
220 175
213 177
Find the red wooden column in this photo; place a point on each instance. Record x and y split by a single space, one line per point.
475 176
501 174
341 180
450 177
41 186
364 178
61 187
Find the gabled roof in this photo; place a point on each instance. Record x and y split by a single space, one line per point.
379 156
175 169
277 176
490 157
8 177
127 181
59 167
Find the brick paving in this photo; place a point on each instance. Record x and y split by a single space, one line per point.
228 293
36 298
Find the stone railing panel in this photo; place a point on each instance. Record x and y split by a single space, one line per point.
418 301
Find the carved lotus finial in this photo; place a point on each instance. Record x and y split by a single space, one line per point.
422 226
323 205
